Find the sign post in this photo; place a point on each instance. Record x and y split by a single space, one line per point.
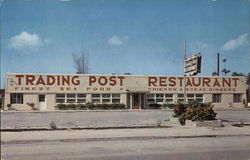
192 66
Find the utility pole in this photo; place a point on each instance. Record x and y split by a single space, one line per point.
184 74
218 64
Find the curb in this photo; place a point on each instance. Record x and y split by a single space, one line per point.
116 139
72 111
76 128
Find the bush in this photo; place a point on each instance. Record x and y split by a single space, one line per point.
61 106
154 106
200 113
9 106
194 111
179 109
168 105
32 106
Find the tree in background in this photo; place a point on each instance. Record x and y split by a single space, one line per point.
226 71
214 74
248 79
238 74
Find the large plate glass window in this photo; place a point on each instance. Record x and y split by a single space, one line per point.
16 98
237 98
216 98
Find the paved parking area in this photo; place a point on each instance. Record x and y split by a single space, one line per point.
89 119
84 118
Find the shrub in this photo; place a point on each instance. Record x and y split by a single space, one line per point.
80 107
168 105
61 106
32 106
194 111
200 113
154 106
179 109
9 106
71 106
90 106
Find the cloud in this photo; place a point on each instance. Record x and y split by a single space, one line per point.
1 1
115 40
25 40
235 43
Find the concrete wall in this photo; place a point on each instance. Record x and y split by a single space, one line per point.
27 98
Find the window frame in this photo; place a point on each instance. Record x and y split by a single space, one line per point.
16 98
216 97
237 98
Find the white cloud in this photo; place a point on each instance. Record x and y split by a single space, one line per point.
25 40
1 1
235 43
115 40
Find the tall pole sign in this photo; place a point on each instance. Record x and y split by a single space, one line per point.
192 66
184 73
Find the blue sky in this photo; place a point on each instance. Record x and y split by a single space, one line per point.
137 36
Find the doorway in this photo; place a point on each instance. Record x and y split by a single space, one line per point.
138 100
42 101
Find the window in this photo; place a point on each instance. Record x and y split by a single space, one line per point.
180 98
237 98
105 95
71 98
169 98
81 95
199 97
16 98
60 95
106 98
159 95
180 95
116 98
190 97
116 95
71 95
41 97
159 98
60 100
81 100
151 95
216 98
96 95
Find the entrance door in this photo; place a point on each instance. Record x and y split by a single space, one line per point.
42 101
136 101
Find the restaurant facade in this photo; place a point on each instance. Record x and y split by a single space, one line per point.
135 91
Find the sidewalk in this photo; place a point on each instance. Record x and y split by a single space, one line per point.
133 134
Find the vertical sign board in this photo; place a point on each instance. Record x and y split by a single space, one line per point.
193 65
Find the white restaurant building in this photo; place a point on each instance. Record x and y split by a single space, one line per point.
135 91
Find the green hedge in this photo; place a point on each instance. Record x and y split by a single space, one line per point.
194 111
90 106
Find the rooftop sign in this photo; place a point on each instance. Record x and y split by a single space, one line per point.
192 65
